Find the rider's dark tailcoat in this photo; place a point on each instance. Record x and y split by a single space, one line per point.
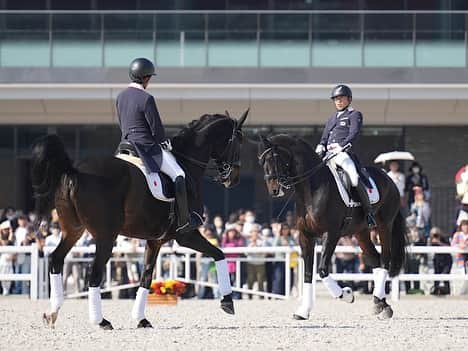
343 129
140 124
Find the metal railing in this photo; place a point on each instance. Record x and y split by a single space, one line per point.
180 255
251 38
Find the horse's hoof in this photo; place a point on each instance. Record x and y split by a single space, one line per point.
299 317
347 295
387 312
106 325
227 305
49 319
144 323
381 306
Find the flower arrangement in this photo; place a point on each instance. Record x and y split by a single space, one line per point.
167 287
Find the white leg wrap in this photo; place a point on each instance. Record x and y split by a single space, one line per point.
332 286
56 292
94 302
380 277
307 301
138 310
223 277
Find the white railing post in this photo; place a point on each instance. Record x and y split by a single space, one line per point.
108 275
314 275
159 267
395 289
187 266
34 271
238 274
287 274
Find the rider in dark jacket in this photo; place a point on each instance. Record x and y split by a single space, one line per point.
340 132
141 125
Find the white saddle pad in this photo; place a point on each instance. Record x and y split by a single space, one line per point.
153 179
374 195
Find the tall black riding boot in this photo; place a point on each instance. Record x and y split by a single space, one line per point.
365 203
183 215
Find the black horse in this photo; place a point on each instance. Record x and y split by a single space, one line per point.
109 196
290 162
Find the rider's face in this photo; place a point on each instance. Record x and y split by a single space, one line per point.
341 102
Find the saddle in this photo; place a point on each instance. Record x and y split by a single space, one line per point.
347 192
160 185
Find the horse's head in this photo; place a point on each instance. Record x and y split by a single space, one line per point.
216 137
277 161
228 138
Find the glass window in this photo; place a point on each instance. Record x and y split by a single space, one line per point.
121 47
77 49
336 49
284 41
388 49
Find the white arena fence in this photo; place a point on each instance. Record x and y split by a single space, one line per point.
182 256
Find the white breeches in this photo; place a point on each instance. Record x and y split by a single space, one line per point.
170 166
344 161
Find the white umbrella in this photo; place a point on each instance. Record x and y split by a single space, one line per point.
394 155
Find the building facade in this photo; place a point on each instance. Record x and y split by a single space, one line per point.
61 69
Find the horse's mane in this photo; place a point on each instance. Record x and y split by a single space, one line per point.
197 125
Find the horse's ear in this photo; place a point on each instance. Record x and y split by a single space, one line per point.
242 119
264 140
227 113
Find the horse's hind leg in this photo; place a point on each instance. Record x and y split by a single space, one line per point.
103 253
381 307
138 311
194 240
70 236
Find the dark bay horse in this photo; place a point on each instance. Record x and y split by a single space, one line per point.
109 196
290 162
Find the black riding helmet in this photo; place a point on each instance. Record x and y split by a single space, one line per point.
140 68
341 90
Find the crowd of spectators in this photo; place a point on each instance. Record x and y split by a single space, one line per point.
264 272
415 194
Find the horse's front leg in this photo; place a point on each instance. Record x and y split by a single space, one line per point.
194 240
138 310
307 243
329 245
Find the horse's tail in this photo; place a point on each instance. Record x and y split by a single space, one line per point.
397 250
50 163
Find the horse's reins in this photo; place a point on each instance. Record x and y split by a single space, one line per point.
288 181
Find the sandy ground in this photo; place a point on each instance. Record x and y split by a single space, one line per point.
423 323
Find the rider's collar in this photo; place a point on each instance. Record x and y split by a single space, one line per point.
136 85
349 108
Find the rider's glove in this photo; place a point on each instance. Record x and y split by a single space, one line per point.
320 150
166 145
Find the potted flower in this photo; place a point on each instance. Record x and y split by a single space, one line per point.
165 292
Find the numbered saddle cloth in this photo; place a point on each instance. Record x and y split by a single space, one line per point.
347 192
160 185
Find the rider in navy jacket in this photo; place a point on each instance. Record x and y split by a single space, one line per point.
341 130
141 125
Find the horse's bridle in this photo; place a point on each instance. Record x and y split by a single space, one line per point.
223 166
287 181
282 179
